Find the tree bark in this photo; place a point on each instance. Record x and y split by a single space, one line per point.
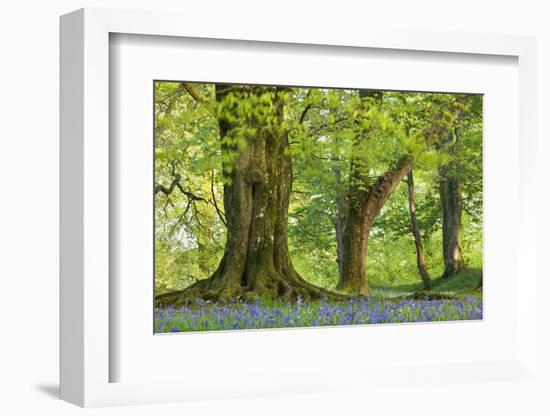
446 132
420 260
450 194
257 185
364 203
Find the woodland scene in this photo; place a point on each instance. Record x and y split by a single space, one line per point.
280 206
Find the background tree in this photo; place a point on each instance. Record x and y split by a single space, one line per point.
450 194
446 131
420 256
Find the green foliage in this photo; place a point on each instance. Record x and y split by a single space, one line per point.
335 137
464 283
189 233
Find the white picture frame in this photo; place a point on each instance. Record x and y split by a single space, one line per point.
85 221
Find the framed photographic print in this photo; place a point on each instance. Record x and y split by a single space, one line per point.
289 212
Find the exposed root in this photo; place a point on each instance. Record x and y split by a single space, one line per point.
270 285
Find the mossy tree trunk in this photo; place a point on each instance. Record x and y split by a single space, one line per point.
364 203
450 194
445 133
364 200
257 172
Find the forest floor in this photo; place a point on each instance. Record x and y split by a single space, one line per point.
464 282
454 298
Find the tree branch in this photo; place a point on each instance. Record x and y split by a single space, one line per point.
304 113
167 191
193 91
379 192
176 184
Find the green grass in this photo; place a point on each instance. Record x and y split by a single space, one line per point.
464 282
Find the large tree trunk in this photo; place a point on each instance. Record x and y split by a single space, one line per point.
420 260
446 131
451 211
364 203
258 181
450 194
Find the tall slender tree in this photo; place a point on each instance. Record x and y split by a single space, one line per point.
420 258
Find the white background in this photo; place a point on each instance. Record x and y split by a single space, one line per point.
29 175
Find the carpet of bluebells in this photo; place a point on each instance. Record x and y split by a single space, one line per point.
205 316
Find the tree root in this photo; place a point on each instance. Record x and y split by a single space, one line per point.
272 286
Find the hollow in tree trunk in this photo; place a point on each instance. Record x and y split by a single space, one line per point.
257 185
420 260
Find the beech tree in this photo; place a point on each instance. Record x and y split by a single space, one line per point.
364 203
447 127
450 195
257 172
415 228
365 198
463 113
